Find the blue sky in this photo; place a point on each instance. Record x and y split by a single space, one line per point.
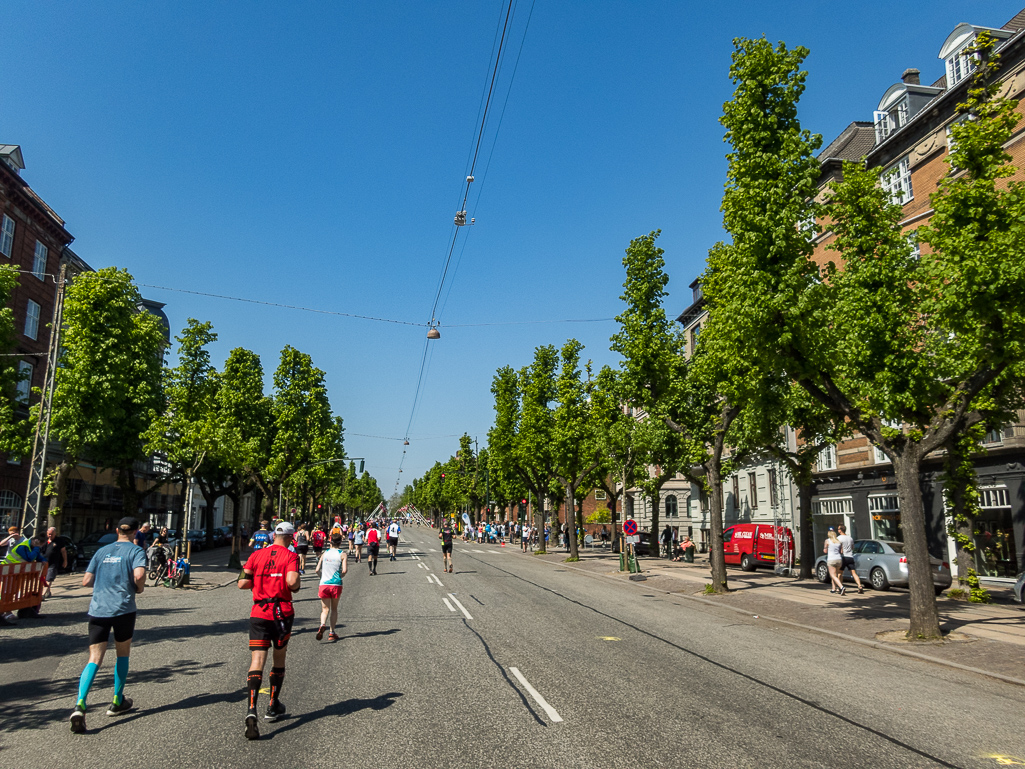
314 154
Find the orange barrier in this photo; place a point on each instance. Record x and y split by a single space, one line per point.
21 585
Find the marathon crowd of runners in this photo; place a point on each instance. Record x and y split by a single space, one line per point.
281 555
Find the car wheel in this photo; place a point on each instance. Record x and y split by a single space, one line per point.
879 580
822 572
747 563
939 589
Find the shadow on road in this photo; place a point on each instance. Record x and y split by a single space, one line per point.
338 709
371 633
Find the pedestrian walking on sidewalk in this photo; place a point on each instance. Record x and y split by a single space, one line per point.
56 556
272 574
331 567
847 554
667 542
834 561
117 573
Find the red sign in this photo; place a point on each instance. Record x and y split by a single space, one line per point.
629 527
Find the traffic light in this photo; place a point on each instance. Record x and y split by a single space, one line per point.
443 476
319 507
361 463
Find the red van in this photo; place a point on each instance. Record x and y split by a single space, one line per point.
751 545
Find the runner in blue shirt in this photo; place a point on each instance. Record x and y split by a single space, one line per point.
116 573
261 538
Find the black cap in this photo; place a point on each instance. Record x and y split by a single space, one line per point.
128 522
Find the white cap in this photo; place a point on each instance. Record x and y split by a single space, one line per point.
284 528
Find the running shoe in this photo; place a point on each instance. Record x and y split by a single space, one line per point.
320 631
252 726
843 589
332 636
122 707
78 720
275 711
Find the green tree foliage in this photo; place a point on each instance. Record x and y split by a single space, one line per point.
15 429
108 385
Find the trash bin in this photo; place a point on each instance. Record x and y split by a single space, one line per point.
688 554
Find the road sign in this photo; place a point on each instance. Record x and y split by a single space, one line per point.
633 539
629 527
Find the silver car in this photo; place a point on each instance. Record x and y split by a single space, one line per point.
882 564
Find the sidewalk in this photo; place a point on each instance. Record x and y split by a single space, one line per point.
986 638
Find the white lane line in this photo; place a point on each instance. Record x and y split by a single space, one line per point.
432 549
449 605
552 714
429 579
420 565
437 580
461 607
426 566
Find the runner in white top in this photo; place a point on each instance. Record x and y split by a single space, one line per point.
331 567
358 541
393 538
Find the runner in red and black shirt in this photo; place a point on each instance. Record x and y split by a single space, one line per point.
445 535
373 537
272 573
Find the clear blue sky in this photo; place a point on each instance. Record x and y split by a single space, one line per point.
314 154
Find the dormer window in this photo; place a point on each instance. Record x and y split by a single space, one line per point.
958 62
901 102
888 121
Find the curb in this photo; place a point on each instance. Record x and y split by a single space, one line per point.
821 631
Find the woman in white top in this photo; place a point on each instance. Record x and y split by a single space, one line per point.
357 540
834 561
331 567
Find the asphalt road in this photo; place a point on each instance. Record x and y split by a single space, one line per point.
509 662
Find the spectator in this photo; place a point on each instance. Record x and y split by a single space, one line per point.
54 554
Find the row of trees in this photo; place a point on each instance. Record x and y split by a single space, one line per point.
917 352
118 405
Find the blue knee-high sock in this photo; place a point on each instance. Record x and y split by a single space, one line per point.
120 677
85 682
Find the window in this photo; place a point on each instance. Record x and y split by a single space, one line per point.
25 384
884 510
833 506
600 495
994 436
672 506
752 490
32 320
39 261
994 498
773 500
727 536
889 120
916 250
827 458
7 236
10 507
879 455
960 64
897 181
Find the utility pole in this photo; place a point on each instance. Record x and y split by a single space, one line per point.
33 517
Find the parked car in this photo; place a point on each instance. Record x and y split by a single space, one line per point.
882 564
222 535
198 538
90 543
750 545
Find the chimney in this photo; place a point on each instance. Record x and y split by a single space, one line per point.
910 77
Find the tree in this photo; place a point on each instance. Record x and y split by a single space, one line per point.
108 385
15 429
183 432
652 367
573 450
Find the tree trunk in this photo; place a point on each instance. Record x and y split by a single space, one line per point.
129 491
571 534
653 541
806 541
925 621
716 557
235 559
580 523
56 506
612 517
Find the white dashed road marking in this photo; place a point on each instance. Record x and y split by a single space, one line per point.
449 605
552 714
461 607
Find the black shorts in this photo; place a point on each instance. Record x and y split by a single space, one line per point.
317 550
373 550
302 549
446 548
264 633
51 573
123 626
393 541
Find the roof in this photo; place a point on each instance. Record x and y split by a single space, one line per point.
12 154
1018 22
853 143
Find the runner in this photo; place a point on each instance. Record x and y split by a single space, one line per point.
445 535
261 538
373 546
331 567
524 537
117 573
357 540
272 573
302 546
393 538
317 539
